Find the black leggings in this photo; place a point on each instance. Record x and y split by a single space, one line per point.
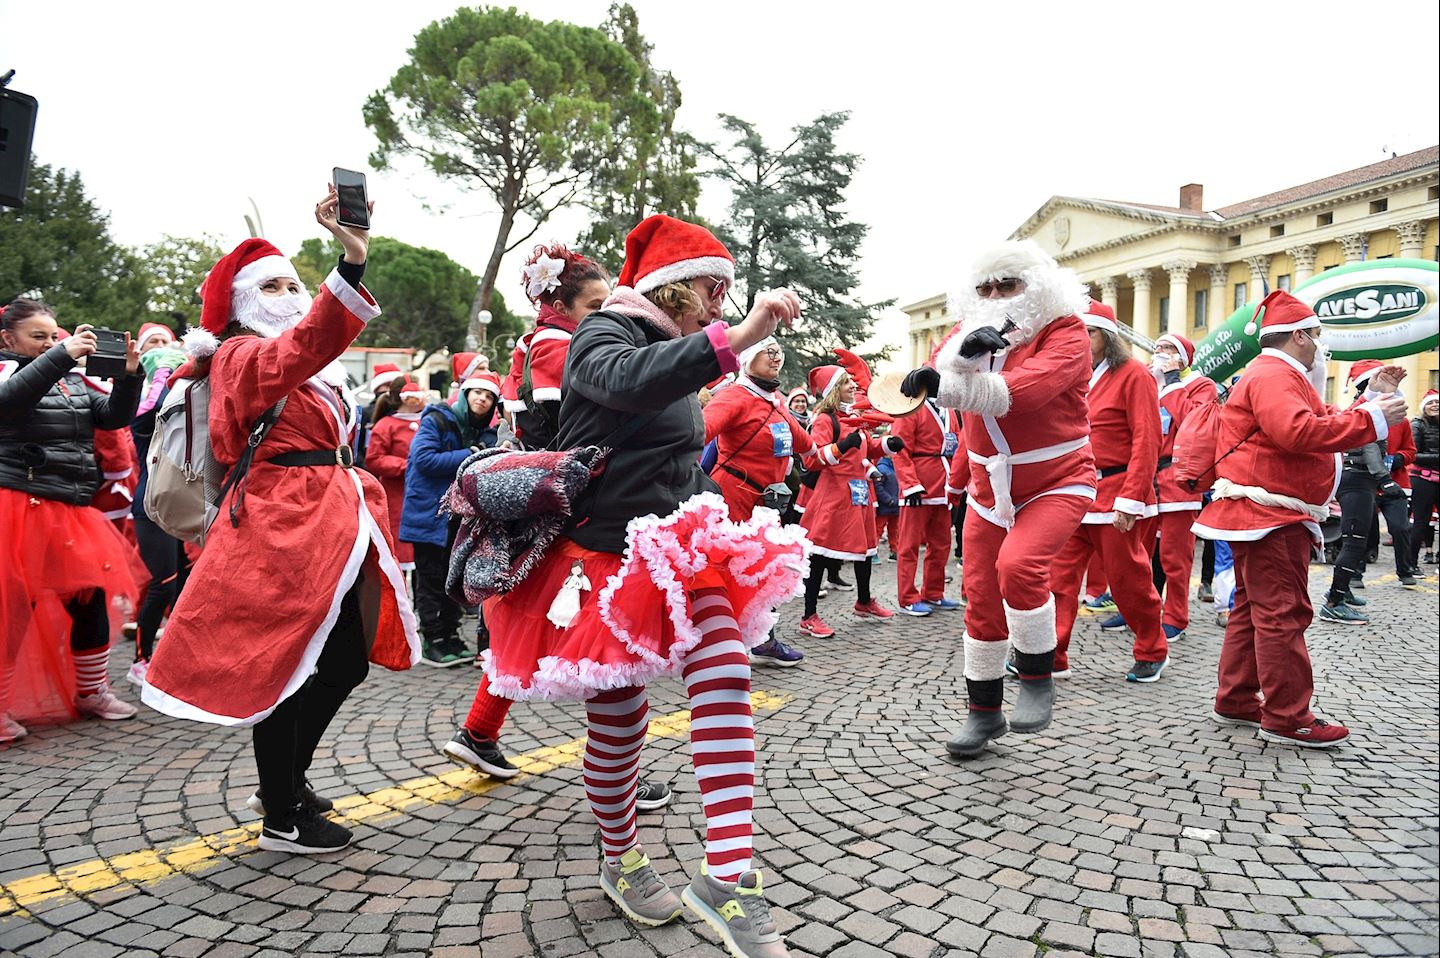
1397 519
1357 512
1207 562
286 739
165 559
89 621
1422 502
819 565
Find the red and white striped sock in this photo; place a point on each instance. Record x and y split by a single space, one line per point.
90 670
617 723
722 733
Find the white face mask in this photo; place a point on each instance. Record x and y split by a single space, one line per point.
269 315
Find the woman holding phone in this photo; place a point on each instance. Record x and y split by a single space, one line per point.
66 569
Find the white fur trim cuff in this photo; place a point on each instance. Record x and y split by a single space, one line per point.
985 394
357 301
1032 631
985 661
1133 507
687 269
1382 428
266 267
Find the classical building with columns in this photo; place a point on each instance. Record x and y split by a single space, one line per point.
1185 269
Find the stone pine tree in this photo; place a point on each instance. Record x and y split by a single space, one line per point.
787 226
652 165
511 106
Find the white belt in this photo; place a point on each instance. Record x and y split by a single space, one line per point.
1225 489
998 468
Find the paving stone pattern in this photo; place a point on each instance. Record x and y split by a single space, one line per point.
1132 827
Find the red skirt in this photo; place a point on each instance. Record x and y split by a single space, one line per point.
51 552
634 621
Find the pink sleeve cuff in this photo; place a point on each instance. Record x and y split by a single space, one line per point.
729 362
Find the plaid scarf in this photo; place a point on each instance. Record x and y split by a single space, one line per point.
512 506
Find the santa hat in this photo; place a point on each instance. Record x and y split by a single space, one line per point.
1431 396
797 391
153 329
823 379
382 374
1281 313
1100 316
465 366
409 387
1183 346
663 250
1360 372
245 267
751 352
1010 260
482 379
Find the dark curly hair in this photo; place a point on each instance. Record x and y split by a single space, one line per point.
578 271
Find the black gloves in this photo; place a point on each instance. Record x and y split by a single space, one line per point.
1389 490
894 444
851 441
984 340
923 380
914 498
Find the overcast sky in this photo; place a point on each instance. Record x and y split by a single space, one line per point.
969 116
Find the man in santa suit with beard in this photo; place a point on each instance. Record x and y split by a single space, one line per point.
1017 368
1125 434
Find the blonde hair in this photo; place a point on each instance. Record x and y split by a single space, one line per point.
831 401
677 299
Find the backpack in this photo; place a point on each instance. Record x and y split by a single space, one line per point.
186 484
1196 444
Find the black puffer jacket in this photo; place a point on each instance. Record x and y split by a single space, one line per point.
48 419
618 368
1427 442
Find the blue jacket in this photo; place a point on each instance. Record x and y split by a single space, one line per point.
887 489
435 456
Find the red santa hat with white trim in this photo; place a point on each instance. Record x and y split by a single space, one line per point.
383 374
824 379
663 250
1099 316
409 387
1431 396
245 267
1185 347
1361 371
1281 313
153 329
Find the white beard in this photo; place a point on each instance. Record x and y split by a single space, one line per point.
268 315
1318 370
1049 294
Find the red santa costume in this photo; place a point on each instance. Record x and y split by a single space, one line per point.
294 591
386 456
840 512
1023 415
922 468
1180 392
544 348
1270 494
1125 436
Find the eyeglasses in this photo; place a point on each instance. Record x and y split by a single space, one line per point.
773 352
717 291
1005 287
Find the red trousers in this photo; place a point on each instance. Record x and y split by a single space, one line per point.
928 525
1126 558
1095 584
1012 566
888 528
1177 559
1264 649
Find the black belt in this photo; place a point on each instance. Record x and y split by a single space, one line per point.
1108 471
1164 463
743 478
342 456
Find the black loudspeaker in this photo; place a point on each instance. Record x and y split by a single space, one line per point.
17 127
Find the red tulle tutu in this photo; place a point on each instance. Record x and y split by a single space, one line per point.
50 552
634 623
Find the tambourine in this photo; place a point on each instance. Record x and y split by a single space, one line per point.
885 395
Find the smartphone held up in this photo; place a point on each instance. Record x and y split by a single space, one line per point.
354 208
108 360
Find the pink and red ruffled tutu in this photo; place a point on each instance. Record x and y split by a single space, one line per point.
49 552
634 623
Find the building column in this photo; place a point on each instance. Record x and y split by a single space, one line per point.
1179 271
1355 245
1412 239
1140 319
1259 275
1304 257
1219 295
1109 291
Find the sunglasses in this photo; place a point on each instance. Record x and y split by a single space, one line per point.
1005 287
717 291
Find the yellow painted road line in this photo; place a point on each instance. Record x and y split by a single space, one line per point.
193 855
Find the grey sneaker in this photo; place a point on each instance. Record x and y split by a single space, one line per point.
638 891
739 914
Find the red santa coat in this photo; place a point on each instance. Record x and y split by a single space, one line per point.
119 467
1176 402
932 438
1039 443
1294 450
546 347
1125 438
386 456
263 597
757 437
1400 443
839 515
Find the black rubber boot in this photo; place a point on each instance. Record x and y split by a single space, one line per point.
1037 691
985 720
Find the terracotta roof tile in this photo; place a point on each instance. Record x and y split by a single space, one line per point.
1340 181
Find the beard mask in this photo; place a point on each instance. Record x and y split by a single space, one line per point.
1318 370
268 315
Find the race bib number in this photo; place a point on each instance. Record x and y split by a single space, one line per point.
952 443
859 492
1165 420
783 441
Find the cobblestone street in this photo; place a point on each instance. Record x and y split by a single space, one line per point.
1133 826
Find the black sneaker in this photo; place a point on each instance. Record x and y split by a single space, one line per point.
1408 580
441 654
650 796
309 801
1146 671
481 754
1352 599
841 584
1342 614
303 833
